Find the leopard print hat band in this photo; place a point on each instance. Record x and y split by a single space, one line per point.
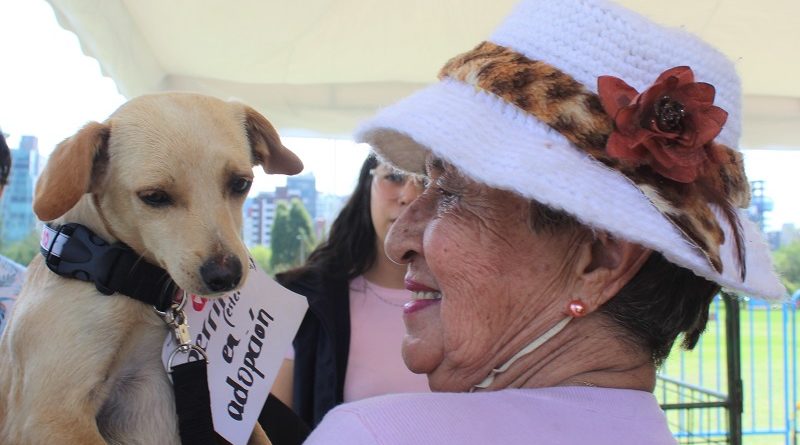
596 111
558 100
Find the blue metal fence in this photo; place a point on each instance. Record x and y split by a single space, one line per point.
745 341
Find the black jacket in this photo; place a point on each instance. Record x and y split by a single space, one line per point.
321 345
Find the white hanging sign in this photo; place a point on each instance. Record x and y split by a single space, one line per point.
245 335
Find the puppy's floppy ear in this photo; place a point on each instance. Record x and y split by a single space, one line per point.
68 174
267 148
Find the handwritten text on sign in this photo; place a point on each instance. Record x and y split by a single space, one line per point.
245 335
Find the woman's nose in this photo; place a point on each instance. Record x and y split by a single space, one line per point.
409 191
404 239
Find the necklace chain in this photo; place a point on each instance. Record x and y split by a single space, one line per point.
372 291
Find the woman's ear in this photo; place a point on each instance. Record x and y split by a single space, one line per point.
605 264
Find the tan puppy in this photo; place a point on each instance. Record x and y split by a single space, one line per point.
166 174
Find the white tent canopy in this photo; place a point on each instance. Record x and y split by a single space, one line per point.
320 66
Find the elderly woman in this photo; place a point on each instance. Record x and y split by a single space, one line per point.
584 208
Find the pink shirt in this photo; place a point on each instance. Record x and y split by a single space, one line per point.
374 365
566 415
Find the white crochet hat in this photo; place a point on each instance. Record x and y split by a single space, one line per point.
522 112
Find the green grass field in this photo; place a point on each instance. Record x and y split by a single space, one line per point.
766 341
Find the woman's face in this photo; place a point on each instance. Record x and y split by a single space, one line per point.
390 193
484 283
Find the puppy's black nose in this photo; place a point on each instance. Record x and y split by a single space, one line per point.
221 273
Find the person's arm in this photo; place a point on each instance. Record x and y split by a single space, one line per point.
282 425
282 388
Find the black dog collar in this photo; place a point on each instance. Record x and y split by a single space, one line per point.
74 251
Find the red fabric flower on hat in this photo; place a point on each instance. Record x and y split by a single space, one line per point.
669 126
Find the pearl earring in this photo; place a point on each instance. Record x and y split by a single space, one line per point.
577 308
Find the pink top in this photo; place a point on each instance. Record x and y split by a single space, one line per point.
374 365
564 415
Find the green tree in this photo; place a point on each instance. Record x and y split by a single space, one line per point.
262 254
279 242
787 263
24 250
300 221
292 237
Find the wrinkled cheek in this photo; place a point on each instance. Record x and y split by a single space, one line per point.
423 348
467 335
465 274
464 356
475 316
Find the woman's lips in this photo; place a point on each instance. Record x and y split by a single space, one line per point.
422 296
417 305
413 286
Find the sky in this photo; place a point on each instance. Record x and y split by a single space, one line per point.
49 89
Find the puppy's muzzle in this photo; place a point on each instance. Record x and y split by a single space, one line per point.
221 273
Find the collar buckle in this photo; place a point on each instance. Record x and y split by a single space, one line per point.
82 255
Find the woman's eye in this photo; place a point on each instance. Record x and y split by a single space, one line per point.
397 178
447 191
446 194
240 186
157 198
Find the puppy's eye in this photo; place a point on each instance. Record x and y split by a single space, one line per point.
240 186
155 198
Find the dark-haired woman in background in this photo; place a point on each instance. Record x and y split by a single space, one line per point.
11 273
348 346
5 163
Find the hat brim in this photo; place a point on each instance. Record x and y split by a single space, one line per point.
498 145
